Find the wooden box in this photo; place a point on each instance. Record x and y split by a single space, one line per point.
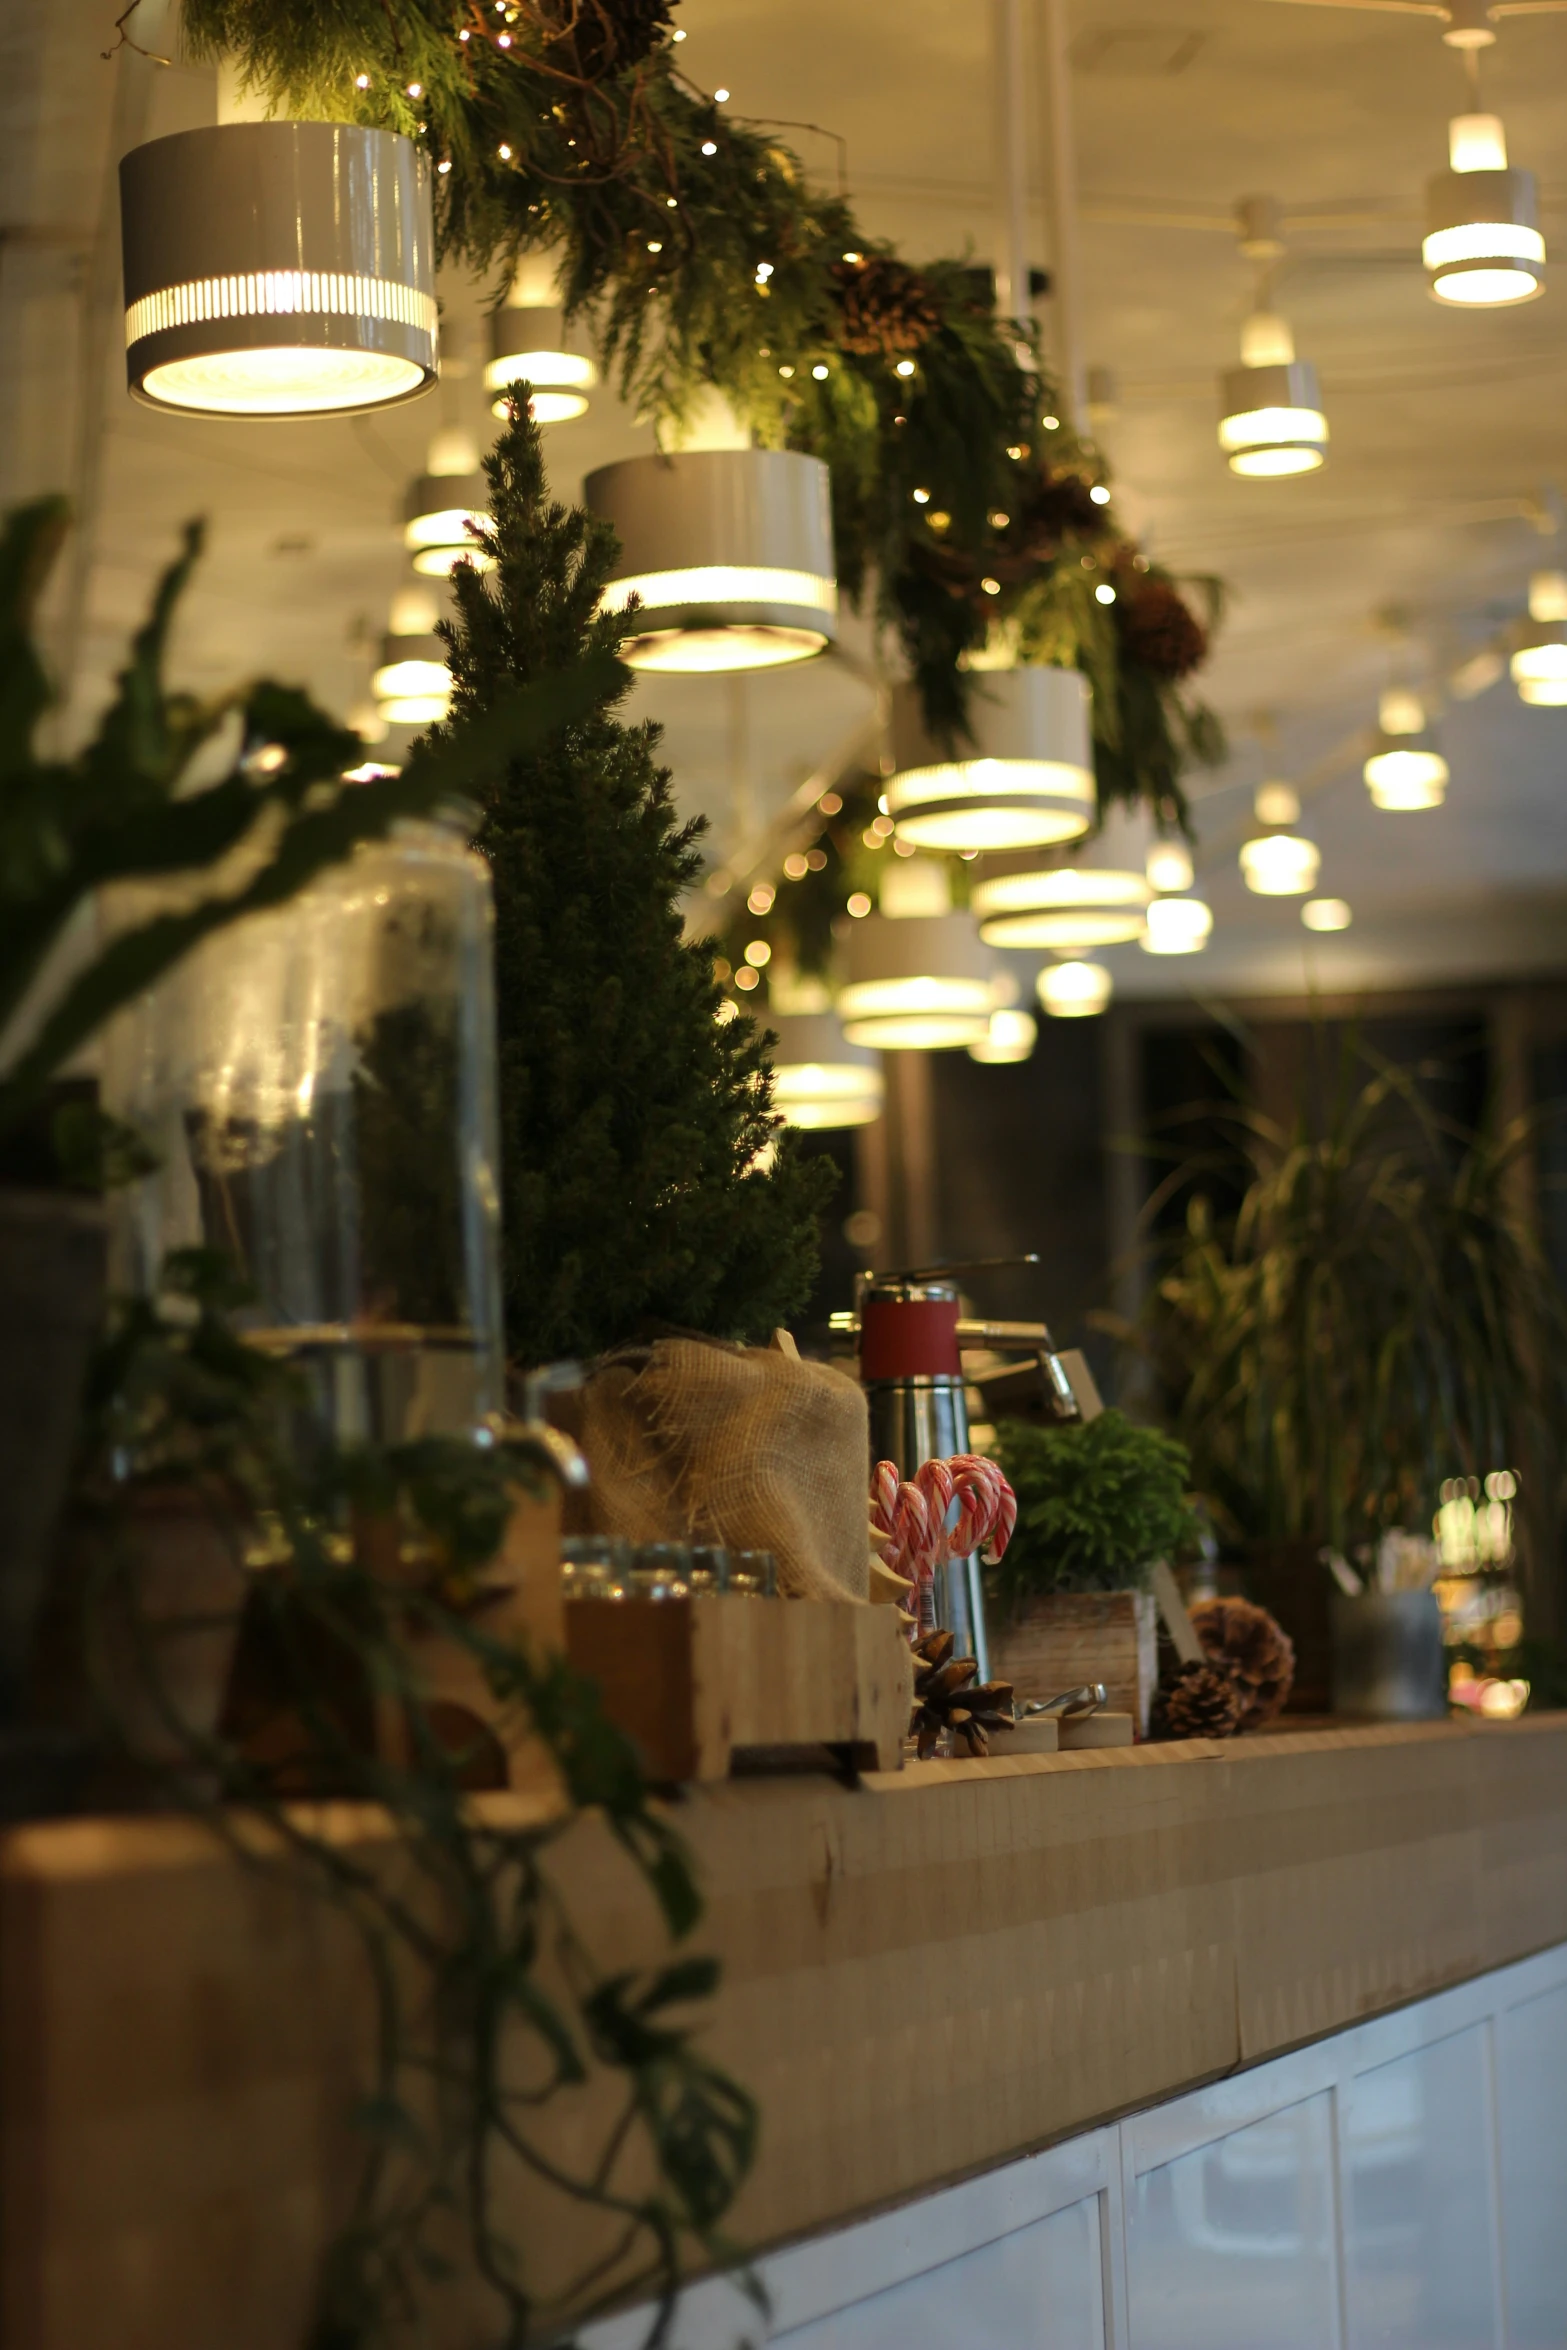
693 1679
1063 1638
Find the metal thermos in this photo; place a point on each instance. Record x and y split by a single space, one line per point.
912 1373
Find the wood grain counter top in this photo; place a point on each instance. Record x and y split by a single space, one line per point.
924 1974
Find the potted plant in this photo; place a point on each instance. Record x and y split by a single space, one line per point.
1376 1316
1098 1504
131 806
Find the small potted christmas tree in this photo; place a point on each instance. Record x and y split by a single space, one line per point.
1098 1504
644 1176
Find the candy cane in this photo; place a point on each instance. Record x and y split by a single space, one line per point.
968 1490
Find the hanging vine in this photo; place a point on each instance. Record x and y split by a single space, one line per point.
489 2009
703 257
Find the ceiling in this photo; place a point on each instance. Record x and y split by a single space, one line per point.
1411 546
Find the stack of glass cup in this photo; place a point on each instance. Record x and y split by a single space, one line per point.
603 1566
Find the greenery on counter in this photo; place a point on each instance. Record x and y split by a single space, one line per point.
693 241
643 1172
1098 1503
488 2009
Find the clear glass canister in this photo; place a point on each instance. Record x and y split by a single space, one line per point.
319 1085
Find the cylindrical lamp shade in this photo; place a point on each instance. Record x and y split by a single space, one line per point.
528 345
278 269
1094 897
729 552
1280 865
1406 773
918 983
1178 926
1539 666
1483 248
1168 866
1025 778
1271 419
819 1079
1012 1037
412 682
1074 991
436 515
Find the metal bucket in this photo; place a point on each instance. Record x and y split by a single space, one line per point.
1389 1664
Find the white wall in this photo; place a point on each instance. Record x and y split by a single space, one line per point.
1402 2186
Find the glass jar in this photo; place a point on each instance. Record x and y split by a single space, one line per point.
660 1570
595 1566
319 1084
753 1574
709 1567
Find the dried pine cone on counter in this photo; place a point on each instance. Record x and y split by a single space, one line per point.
947 1697
1203 1701
1248 1640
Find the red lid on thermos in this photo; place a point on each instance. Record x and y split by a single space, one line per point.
910 1337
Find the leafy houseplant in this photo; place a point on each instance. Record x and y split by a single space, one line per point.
636 1123
1097 1504
129 807
1377 1315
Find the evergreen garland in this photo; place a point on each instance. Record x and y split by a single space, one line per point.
636 1123
703 258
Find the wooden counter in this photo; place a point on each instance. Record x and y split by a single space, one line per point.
923 1975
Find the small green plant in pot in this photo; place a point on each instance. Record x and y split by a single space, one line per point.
1098 1502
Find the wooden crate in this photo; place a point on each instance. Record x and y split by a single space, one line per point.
694 1679
1060 1640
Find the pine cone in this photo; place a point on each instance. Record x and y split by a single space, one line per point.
1058 507
1159 628
1258 1653
1203 1701
885 308
592 38
947 1697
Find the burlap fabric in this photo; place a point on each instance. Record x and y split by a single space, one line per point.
691 1438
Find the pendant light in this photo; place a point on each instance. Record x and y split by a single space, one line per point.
1074 990
1023 779
1169 866
1326 914
728 550
1539 661
1177 926
1012 1037
1406 770
1271 420
529 343
1483 248
1094 898
449 495
918 977
278 269
819 1079
1279 863
413 683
